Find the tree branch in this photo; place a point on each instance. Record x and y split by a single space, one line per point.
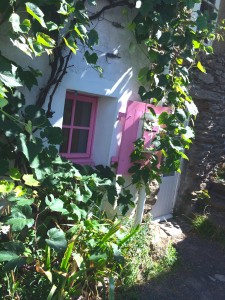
113 5
49 112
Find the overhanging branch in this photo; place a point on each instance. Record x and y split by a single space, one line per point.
110 6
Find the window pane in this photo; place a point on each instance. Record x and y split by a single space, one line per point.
67 112
79 141
64 146
82 113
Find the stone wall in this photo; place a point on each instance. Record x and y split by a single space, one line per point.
208 149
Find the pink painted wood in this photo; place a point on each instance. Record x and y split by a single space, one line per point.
82 158
135 111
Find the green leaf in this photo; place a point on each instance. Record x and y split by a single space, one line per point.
28 77
15 174
7 255
120 180
6 186
179 60
112 194
91 58
17 247
142 75
53 134
51 26
36 115
189 133
22 46
25 25
181 114
78 258
15 20
45 40
192 108
67 256
92 37
21 201
80 213
3 102
21 216
55 204
15 263
183 155
201 22
9 80
51 293
111 288
71 44
57 239
31 149
29 180
98 256
65 8
36 13
200 67
28 127
196 44
163 117
81 31
209 49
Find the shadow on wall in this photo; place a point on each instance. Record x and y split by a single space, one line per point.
126 76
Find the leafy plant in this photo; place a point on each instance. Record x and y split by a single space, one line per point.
203 225
144 261
138 257
173 41
55 240
56 245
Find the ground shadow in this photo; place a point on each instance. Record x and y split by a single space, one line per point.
199 275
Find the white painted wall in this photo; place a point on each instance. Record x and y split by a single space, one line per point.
117 85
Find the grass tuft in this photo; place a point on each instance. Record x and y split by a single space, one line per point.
207 229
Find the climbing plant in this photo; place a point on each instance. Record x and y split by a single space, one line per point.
53 232
174 39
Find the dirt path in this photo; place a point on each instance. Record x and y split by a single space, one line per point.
199 276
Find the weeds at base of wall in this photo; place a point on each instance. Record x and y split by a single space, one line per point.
146 262
219 173
207 229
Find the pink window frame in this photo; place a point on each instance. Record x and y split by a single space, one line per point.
82 158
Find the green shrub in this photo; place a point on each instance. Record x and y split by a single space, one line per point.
145 262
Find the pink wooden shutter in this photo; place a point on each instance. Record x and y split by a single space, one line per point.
135 111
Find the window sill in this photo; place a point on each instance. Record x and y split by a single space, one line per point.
81 161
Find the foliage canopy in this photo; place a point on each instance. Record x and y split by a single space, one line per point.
52 227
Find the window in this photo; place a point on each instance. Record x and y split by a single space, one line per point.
78 127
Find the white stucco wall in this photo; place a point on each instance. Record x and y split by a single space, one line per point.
117 85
